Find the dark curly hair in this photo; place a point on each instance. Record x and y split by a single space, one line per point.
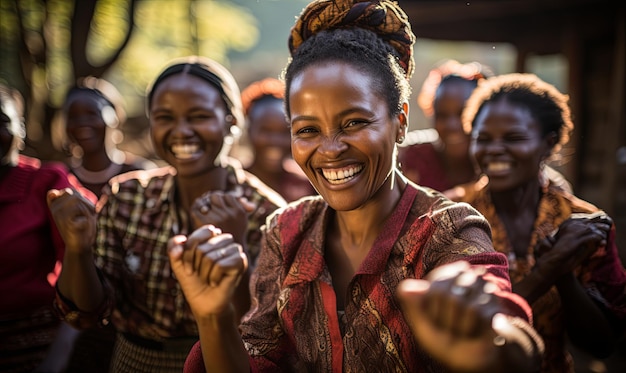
544 101
361 48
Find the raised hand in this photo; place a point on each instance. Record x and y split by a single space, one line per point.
576 239
227 211
208 265
456 318
75 218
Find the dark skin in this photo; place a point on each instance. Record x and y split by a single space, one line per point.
188 122
508 145
333 133
448 105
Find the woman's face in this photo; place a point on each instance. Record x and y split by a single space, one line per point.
188 123
85 125
343 137
269 133
507 145
448 106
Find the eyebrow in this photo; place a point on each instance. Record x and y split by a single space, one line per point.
341 114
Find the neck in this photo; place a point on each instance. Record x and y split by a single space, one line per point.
270 177
96 161
359 228
190 188
524 197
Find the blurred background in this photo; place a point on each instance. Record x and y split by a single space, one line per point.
577 45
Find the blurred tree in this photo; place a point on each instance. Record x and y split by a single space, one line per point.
46 44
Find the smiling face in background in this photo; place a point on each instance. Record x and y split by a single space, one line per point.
188 123
269 133
447 108
343 136
85 123
507 145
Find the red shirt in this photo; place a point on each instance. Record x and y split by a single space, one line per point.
30 244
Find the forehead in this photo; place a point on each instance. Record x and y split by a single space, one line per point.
187 84
332 82
506 115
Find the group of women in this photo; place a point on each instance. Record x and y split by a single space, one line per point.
202 265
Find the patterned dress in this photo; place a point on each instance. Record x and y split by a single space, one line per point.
602 275
294 325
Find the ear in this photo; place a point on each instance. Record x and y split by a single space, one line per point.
551 140
403 120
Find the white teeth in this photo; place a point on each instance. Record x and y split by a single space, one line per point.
185 151
498 166
341 176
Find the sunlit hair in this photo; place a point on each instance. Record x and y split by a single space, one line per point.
101 90
374 37
261 90
9 94
445 72
545 102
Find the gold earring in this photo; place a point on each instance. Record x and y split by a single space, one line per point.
400 140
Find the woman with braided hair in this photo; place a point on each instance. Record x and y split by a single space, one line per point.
270 140
375 273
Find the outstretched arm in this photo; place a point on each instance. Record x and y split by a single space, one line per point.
457 317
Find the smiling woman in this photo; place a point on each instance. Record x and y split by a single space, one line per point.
562 252
375 272
194 110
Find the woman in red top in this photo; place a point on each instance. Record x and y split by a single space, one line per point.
375 273
30 246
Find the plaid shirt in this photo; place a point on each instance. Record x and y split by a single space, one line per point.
137 215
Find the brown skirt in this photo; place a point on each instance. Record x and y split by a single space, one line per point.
25 339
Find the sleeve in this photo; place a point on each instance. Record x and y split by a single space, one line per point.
462 233
261 329
604 277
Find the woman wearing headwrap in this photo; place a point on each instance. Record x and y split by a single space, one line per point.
194 107
375 273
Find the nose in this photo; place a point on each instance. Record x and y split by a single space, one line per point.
494 147
182 128
332 147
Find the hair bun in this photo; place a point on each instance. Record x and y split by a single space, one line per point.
384 17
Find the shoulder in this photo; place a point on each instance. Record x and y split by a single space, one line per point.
436 205
576 204
140 180
301 213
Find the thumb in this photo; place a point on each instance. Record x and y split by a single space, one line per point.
56 193
175 252
411 291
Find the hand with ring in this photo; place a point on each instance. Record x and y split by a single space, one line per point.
209 265
225 210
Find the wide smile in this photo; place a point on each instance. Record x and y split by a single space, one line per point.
498 168
185 151
337 176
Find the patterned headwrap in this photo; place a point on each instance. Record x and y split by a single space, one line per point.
260 89
384 17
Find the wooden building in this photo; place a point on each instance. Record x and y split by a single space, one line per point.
591 36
